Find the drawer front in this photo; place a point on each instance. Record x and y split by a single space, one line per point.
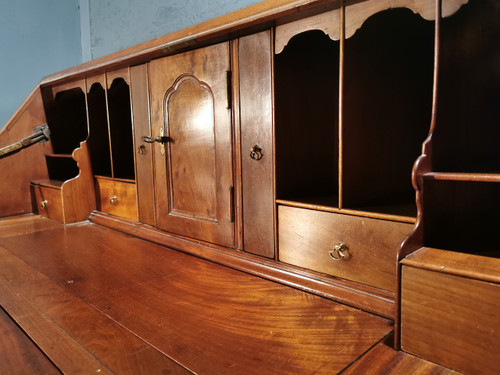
306 238
117 198
451 320
49 202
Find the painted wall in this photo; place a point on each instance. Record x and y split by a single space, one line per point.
117 24
37 38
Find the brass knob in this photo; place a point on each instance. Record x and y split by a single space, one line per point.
113 200
339 251
43 204
256 152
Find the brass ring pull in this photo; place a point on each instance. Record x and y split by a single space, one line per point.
256 153
44 204
113 200
339 251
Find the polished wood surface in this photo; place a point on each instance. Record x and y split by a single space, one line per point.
451 320
116 197
48 201
143 151
256 116
18 170
454 263
383 359
306 237
193 176
19 354
209 318
364 297
78 338
26 224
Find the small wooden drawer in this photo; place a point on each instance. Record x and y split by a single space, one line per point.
49 202
117 197
450 305
307 238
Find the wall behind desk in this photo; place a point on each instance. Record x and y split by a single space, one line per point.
37 38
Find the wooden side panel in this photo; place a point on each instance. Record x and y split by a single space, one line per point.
193 170
117 198
144 151
255 61
451 320
18 170
306 238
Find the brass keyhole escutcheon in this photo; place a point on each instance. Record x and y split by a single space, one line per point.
141 150
256 152
339 251
44 204
113 200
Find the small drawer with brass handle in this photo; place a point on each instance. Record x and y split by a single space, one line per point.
116 197
367 253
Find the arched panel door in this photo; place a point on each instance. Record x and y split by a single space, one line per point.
193 166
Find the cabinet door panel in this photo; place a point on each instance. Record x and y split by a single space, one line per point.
193 170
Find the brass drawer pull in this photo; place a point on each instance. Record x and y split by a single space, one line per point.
339 251
44 204
256 153
113 200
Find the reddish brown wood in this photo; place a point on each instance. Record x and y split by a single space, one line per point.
116 197
367 298
143 151
22 224
455 263
383 359
193 179
17 170
256 115
19 354
306 238
77 337
209 318
450 320
49 202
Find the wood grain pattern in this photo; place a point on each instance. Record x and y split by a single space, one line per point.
209 318
77 338
455 263
17 170
25 224
193 179
125 194
306 237
383 359
52 199
19 354
257 127
364 297
451 320
143 151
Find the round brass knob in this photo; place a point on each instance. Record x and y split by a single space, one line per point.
44 204
113 200
339 251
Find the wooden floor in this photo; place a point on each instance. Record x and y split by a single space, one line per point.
96 300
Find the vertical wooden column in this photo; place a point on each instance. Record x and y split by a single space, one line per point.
255 64
143 151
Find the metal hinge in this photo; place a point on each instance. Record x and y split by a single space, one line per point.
229 88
